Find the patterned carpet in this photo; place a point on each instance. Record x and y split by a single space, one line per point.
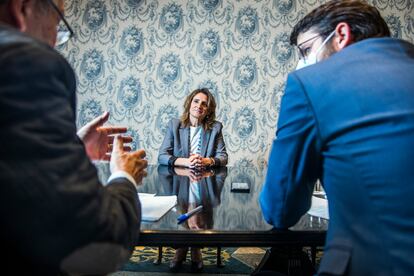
240 261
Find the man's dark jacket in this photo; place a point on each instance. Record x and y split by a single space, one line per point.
55 214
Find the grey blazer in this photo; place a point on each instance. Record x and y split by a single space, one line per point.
176 144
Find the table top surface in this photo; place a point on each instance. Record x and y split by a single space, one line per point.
224 210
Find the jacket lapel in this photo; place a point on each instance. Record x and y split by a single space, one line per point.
184 133
206 137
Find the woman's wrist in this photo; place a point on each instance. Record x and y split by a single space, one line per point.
182 162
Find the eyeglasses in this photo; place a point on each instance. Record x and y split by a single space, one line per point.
304 52
64 31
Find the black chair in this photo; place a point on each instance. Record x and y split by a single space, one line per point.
288 261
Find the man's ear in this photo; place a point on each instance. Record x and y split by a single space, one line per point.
343 36
19 11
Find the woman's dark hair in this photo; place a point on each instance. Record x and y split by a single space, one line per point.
364 20
210 117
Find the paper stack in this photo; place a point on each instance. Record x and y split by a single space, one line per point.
154 207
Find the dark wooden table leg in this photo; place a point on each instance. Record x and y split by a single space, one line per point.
313 255
219 263
159 259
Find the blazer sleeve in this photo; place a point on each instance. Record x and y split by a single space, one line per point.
60 206
165 154
220 157
293 162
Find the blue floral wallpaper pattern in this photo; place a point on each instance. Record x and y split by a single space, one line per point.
138 59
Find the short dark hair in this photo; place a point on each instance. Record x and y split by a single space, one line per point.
365 20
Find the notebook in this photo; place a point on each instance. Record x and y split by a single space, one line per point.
155 207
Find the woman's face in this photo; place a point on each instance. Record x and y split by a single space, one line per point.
198 108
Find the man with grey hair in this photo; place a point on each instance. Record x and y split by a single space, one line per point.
56 215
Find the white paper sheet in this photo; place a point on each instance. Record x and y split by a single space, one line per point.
154 207
319 208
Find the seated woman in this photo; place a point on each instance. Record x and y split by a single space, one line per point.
194 141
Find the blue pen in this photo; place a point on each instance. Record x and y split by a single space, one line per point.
186 216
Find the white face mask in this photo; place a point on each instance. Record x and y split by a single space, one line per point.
312 58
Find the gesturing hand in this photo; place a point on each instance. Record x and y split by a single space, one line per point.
98 140
130 162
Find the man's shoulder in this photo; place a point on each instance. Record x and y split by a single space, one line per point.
375 47
354 58
14 43
10 35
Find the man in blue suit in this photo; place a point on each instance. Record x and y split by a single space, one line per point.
348 120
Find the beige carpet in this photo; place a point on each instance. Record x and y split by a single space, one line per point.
250 256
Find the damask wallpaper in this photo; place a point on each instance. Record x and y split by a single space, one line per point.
138 59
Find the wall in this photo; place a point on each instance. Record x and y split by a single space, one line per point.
139 59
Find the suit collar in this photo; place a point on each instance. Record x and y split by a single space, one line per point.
204 140
184 138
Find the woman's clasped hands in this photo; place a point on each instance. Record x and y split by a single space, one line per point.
199 162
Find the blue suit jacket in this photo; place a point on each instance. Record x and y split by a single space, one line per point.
176 144
349 121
